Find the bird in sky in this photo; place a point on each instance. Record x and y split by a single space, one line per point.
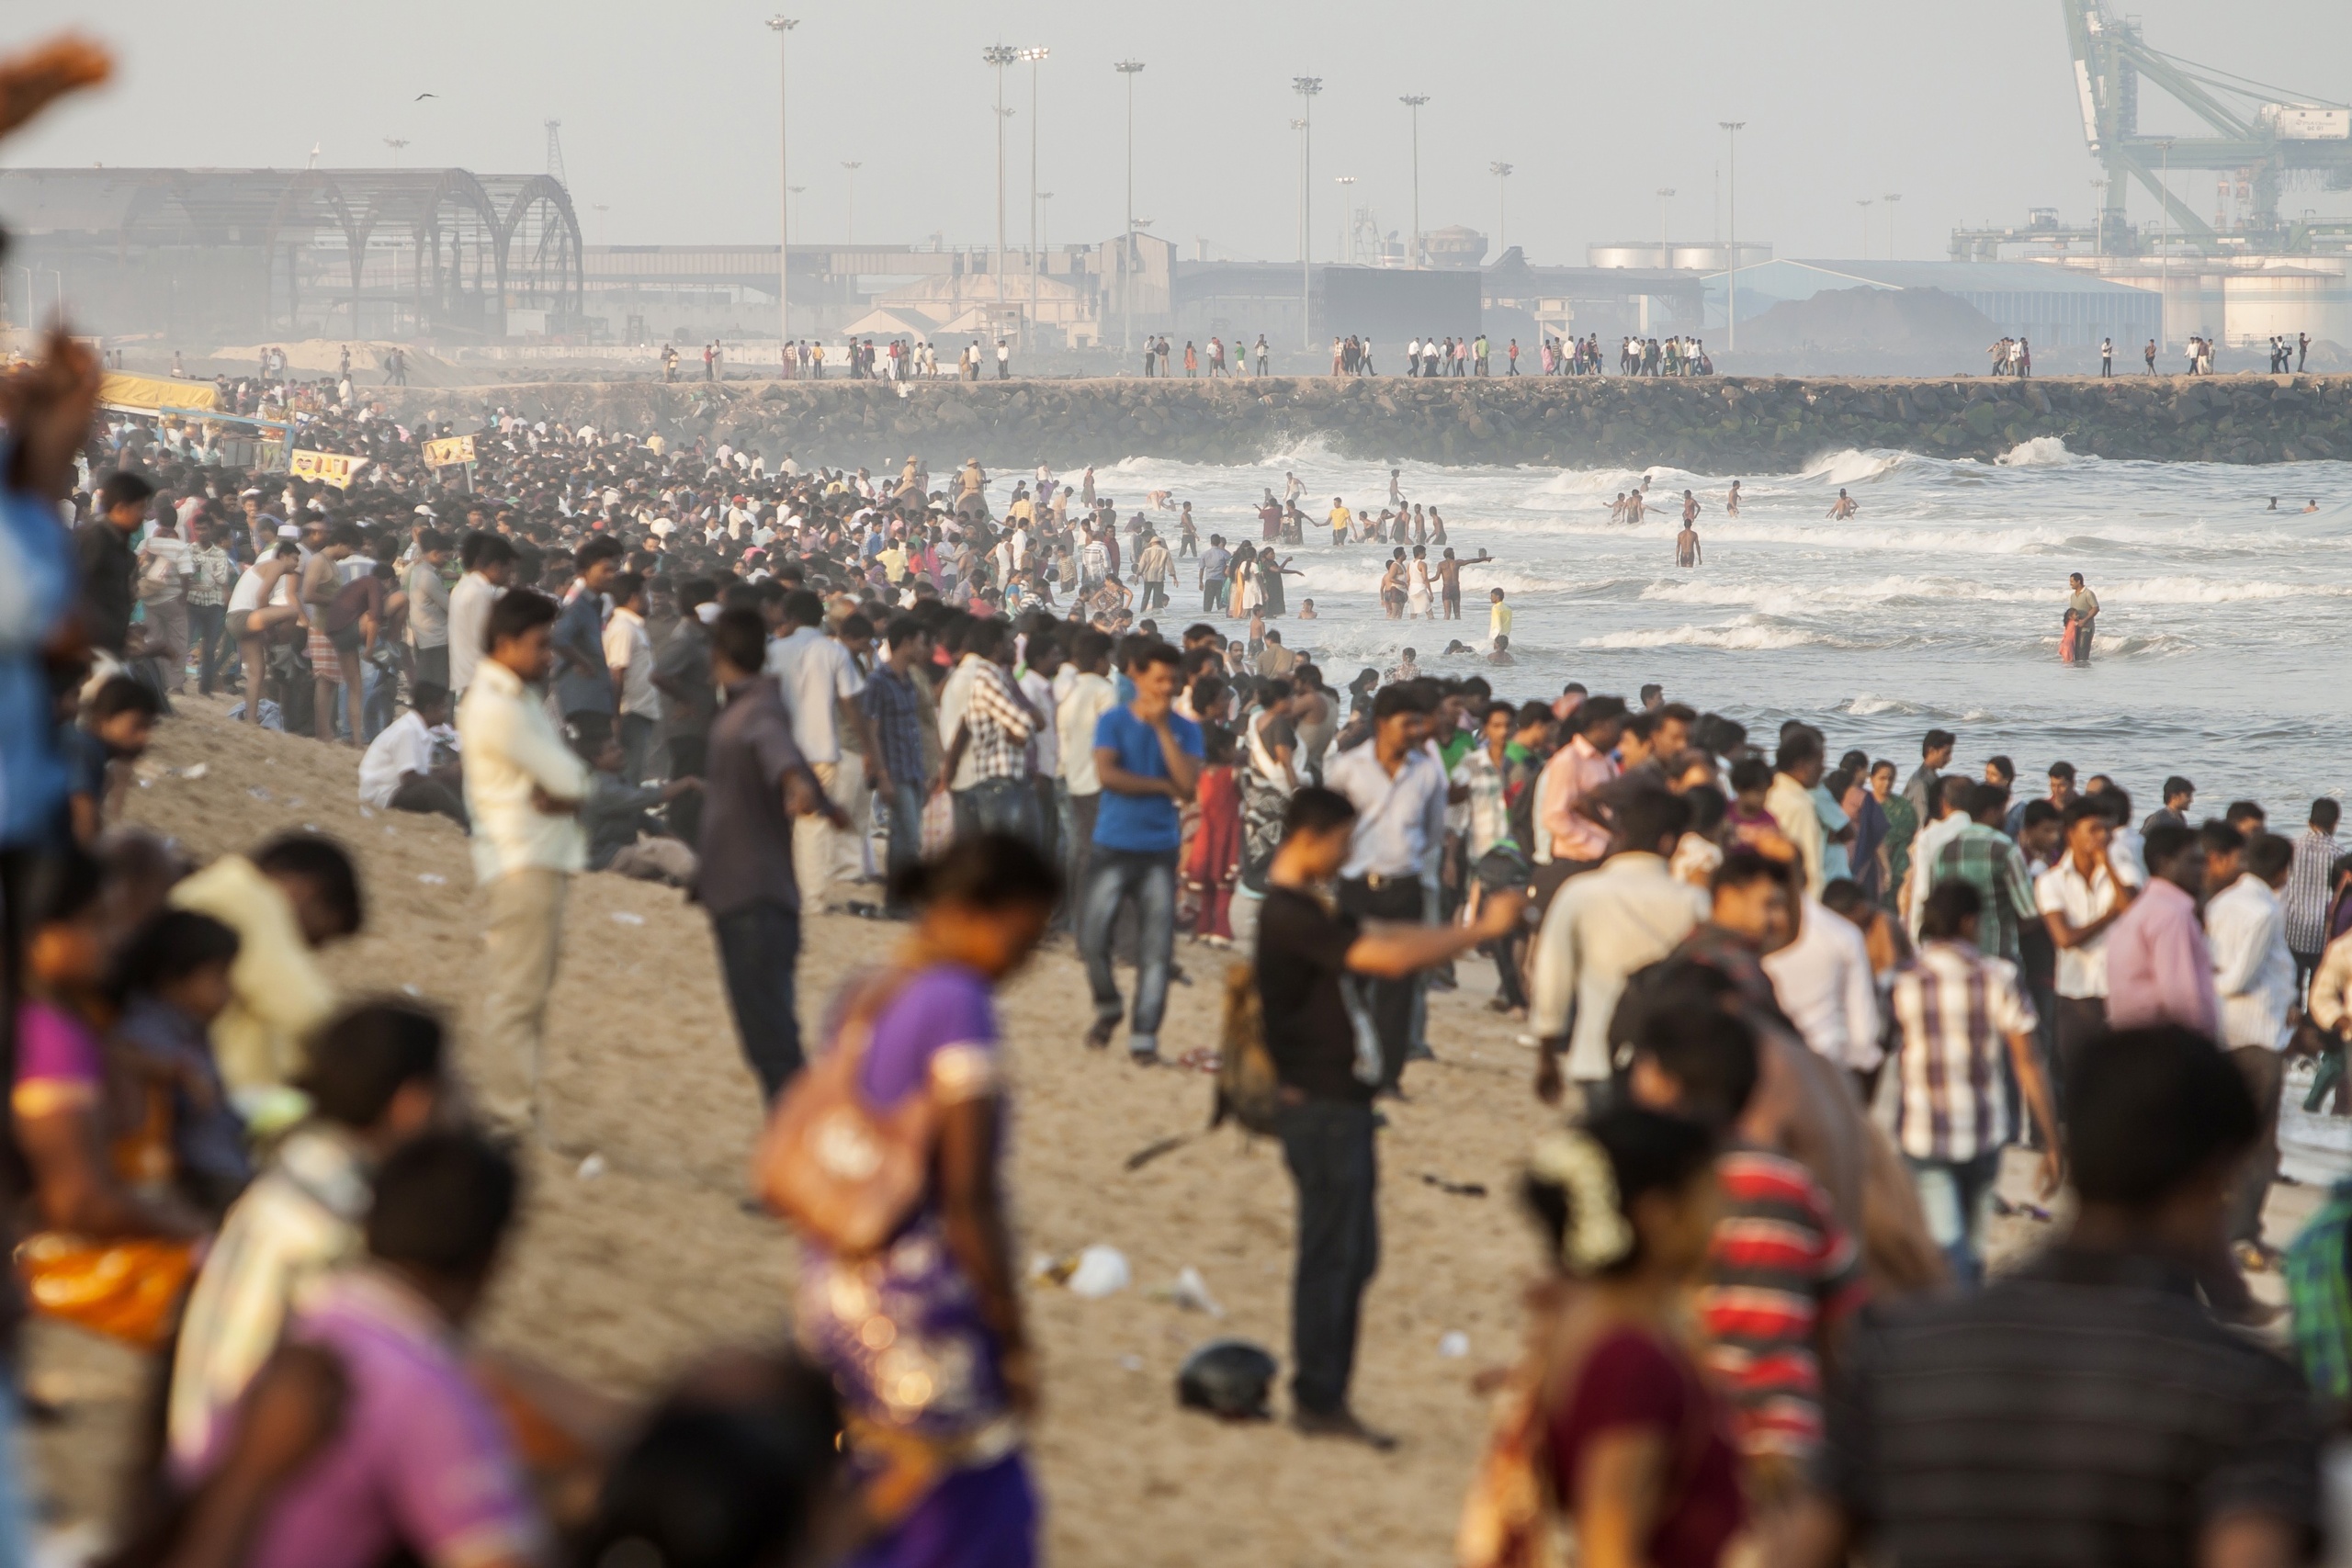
421 97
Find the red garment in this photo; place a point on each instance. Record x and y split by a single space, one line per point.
1632 1379
1213 858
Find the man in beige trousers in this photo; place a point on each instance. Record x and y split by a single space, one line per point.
523 786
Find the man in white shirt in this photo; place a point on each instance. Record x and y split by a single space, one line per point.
1795 770
817 675
2080 898
1824 983
523 786
629 654
1079 790
487 575
1628 912
1398 788
1952 793
2254 975
396 773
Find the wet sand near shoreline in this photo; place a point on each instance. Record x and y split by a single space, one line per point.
636 1253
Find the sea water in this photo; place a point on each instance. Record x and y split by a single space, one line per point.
2225 648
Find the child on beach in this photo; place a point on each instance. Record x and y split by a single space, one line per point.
1212 857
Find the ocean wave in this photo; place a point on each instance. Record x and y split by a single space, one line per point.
2041 452
1900 590
1853 466
1871 705
1747 634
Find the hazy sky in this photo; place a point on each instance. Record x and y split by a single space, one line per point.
670 113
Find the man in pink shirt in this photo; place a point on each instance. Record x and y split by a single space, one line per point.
1567 788
363 1434
2159 969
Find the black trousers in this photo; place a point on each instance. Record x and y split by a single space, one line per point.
1392 1000
1328 1144
2081 1020
759 949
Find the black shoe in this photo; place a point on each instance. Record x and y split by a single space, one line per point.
1341 1423
1099 1037
1420 1052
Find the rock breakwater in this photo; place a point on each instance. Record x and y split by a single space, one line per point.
1707 424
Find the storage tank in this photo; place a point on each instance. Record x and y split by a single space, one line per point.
1715 255
1649 255
2312 297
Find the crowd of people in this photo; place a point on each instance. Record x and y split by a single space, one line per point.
1806 1013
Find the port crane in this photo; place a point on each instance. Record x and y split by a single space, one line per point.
2266 136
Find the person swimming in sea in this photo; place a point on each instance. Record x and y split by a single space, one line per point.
1845 506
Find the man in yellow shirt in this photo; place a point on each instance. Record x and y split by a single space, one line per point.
1339 520
289 899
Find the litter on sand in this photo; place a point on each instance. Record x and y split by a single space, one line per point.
592 1167
1191 1293
1454 1347
1095 1272
1455 1188
628 918
431 878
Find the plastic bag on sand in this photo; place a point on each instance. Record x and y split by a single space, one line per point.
1101 1271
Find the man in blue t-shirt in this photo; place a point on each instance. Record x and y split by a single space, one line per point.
1148 758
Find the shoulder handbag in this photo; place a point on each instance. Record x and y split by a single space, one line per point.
1247 1087
843 1172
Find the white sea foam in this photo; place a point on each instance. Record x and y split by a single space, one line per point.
2041 452
1749 633
1853 466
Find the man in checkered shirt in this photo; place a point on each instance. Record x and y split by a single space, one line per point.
994 737
1957 1011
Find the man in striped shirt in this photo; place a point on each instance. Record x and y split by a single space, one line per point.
1987 859
1782 1278
1956 1011
2308 885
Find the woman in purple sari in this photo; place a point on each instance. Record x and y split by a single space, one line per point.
923 1339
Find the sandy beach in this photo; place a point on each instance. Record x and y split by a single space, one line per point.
636 1252
621 1277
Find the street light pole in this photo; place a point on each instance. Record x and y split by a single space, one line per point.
2163 294
1306 87
1346 251
1035 57
1502 172
1414 101
1664 256
1000 56
1732 128
1891 197
1129 69
782 27
851 169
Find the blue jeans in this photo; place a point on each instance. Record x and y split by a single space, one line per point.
905 802
1957 1196
1113 876
1004 805
759 949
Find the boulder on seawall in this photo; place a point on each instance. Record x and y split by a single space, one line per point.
1701 422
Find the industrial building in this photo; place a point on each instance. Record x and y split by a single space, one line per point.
238 255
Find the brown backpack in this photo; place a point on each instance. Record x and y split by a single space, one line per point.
1248 1090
